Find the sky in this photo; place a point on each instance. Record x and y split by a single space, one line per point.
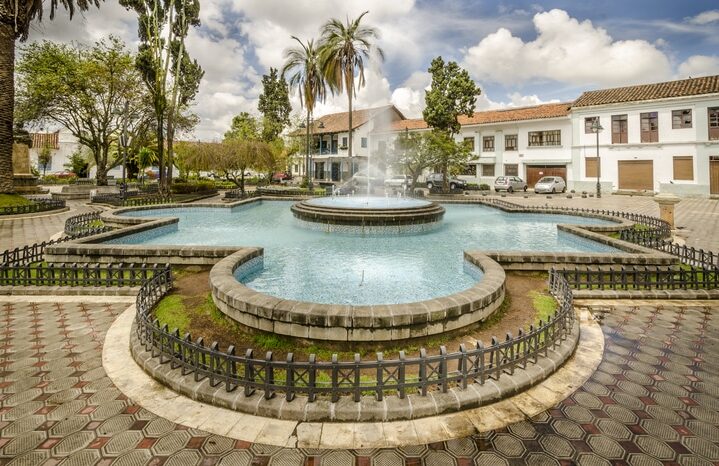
519 52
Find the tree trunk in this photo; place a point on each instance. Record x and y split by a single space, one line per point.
101 162
7 104
170 138
352 162
307 155
160 132
445 179
242 182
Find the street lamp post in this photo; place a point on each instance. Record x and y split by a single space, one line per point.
597 128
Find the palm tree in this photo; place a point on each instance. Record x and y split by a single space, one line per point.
15 19
343 49
303 64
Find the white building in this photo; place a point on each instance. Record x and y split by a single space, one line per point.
661 137
62 145
329 149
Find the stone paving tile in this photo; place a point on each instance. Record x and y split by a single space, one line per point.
654 400
24 231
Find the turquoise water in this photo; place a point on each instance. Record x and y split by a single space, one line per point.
337 268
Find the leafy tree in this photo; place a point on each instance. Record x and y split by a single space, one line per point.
44 158
452 93
15 19
412 154
244 126
274 105
85 90
303 65
451 155
78 164
171 77
144 158
343 49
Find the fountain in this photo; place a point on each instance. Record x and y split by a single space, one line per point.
369 214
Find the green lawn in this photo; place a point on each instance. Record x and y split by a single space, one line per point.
11 200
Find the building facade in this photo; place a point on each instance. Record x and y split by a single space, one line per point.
661 137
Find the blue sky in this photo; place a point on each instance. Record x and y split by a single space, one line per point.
519 52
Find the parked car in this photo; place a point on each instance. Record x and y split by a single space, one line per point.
434 180
281 177
64 174
398 181
509 184
550 184
376 177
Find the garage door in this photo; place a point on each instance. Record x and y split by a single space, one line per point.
636 174
535 172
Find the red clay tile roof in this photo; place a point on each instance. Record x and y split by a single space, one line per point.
681 88
339 122
536 112
50 140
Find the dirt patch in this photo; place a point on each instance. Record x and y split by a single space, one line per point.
206 321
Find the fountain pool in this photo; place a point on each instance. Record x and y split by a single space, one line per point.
309 265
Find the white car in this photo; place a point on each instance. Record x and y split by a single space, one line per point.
398 181
550 184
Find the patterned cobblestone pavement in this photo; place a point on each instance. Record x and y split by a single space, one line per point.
653 400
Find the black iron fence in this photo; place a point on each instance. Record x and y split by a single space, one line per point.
75 275
422 373
40 205
639 278
85 224
238 194
36 252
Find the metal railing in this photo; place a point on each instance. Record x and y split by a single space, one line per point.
640 278
40 205
36 252
238 194
85 224
422 373
101 275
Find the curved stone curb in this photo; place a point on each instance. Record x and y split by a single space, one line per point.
45 213
334 322
160 400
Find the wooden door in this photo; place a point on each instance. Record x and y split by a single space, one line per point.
714 175
535 172
636 175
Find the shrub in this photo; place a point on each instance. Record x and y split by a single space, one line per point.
194 187
484 187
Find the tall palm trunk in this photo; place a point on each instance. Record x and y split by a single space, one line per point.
350 91
7 104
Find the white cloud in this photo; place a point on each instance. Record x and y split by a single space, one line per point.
699 65
706 17
566 50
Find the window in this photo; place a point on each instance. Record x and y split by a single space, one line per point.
487 169
319 170
488 144
684 168
295 168
363 143
681 119
510 142
650 127
344 142
511 169
588 123
469 143
619 129
469 169
713 123
545 138
590 167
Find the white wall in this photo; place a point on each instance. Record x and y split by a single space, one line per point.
672 142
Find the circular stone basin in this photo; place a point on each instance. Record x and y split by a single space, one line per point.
368 211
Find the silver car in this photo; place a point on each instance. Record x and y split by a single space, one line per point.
550 184
509 184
